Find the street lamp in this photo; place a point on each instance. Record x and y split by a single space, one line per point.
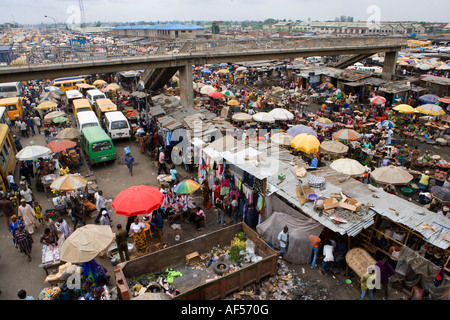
53 21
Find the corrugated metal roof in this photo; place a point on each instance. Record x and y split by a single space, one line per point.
410 215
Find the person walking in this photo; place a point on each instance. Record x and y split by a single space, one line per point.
386 270
234 208
27 195
78 213
364 287
220 211
26 212
30 123
63 228
162 161
100 204
23 128
315 243
24 241
13 226
328 257
37 123
122 243
129 160
6 208
283 238
104 220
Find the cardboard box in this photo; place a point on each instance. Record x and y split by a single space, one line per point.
192 258
330 203
350 204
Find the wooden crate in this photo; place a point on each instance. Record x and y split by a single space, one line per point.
330 203
192 258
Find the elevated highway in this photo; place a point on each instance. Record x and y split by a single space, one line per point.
169 57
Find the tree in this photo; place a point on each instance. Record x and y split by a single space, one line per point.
215 28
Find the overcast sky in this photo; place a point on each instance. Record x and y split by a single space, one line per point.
34 11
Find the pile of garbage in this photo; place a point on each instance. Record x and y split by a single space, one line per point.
285 285
155 282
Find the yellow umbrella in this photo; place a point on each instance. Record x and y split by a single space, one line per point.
404 108
46 105
233 102
324 122
113 86
305 142
223 71
99 82
431 110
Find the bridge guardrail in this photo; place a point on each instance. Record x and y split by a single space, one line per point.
55 54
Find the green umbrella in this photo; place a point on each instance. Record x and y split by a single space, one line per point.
60 119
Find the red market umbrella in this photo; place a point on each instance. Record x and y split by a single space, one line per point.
346 134
216 95
137 200
378 100
61 145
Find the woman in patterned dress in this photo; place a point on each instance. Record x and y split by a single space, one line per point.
24 241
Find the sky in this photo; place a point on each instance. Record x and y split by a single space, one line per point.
67 11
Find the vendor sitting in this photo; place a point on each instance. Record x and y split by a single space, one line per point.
156 221
424 181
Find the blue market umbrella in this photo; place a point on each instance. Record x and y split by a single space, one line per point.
299 129
387 124
206 71
223 64
428 98
441 193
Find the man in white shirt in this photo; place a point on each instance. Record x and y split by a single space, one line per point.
27 194
283 238
100 204
328 257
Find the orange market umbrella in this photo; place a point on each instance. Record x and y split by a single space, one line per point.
68 182
61 145
137 200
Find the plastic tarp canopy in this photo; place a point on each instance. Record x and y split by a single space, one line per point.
411 264
300 228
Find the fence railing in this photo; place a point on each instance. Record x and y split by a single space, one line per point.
96 52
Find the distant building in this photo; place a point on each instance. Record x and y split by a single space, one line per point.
360 28
6 54
161 31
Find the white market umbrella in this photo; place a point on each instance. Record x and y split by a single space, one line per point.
33 152
281 138
391 175
281 114
333 147
54 114
86 243
348 166
242 116
207 89
263 117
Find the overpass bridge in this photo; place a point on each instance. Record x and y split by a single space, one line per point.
163 59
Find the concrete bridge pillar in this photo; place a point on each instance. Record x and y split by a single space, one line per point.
186 86
390 62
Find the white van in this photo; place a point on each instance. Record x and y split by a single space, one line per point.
87 119
11 89
117 125
93 95
71 95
